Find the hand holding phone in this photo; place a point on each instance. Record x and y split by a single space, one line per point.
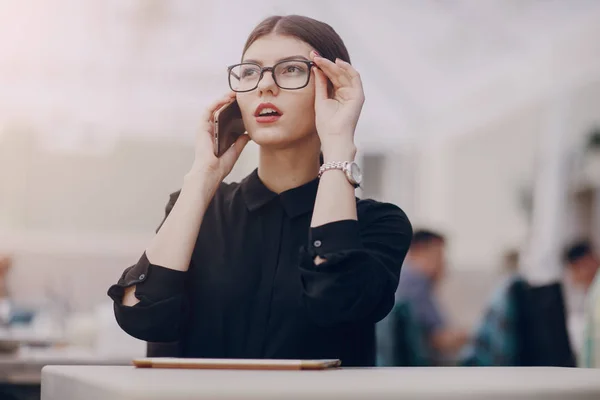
206 163
228 127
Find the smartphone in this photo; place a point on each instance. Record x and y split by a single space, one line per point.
228 126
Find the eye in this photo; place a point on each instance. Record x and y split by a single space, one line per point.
292 68
249 71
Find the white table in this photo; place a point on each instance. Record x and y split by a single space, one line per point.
128 383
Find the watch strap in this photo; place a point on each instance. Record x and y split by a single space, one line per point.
333 165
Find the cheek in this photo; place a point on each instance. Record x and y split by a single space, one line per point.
305 109
245 104
305 118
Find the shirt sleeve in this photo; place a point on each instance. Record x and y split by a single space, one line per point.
363 258
161 291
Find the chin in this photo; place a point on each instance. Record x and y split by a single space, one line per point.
272 137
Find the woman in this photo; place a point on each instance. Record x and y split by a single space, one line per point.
284 264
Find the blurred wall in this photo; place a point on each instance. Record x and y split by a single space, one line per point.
99 104
75 220
472 186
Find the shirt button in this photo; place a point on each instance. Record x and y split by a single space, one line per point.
317 243
142 277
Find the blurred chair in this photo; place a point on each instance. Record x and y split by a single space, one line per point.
590 354
544 339
402 344
496 340
524 326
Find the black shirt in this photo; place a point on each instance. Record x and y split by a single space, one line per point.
253 290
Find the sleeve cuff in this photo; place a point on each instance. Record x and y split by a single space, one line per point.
161 283
335 237
154 283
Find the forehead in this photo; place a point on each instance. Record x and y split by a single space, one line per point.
271 48
589 258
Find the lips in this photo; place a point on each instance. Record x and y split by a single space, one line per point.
267 113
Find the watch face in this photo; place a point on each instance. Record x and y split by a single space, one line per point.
356 173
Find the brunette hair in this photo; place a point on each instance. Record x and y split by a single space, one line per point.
426 237
322 37
577 251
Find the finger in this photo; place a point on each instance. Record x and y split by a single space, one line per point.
207 123
313 55
333 72
336 75
210 110
355 80
349 69
206 127
321 92
233 153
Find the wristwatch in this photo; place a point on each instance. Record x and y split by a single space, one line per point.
350 168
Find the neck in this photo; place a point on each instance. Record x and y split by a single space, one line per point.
284 169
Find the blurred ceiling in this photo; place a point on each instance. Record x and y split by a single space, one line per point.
102 69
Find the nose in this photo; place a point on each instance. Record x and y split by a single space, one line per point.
267 84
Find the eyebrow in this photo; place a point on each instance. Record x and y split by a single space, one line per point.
280 60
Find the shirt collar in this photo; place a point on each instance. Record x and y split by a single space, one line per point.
295 202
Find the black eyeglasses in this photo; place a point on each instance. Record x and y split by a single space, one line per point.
289 75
